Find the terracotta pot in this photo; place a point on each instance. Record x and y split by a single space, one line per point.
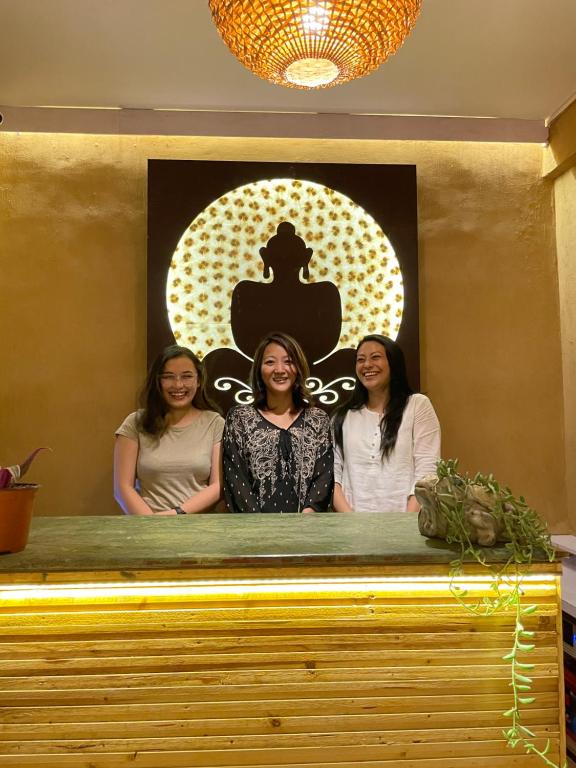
15 516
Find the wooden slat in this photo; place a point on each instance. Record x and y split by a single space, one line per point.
404 658
146 624
79 601
250 575
271 708
311 755
182 730
194 644
287 731
80 696
184 760
541 719
232 609
544 675
130 624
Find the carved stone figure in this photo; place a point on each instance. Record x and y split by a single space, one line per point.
478 507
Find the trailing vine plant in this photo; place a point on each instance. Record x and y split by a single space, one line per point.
523 535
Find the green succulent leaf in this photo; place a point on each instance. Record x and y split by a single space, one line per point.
525 646
526 699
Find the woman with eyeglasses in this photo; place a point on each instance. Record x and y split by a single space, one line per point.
386 436
167 455
278 452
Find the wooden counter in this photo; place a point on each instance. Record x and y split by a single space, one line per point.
228 640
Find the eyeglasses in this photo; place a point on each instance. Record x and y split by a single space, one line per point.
173 378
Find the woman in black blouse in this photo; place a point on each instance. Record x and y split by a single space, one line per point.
278 452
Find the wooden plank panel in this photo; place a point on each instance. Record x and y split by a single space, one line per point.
330 659
127 624
311 755
154 693
299 678
183 760
210 643
237 726
303 725
272 734
211 617
78 600
125 598
272 708
264 592
249 575
174 682
179 731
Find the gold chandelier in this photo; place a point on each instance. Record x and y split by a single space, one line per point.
313 43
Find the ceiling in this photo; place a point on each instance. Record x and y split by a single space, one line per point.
475 58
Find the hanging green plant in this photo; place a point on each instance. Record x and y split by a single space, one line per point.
471 513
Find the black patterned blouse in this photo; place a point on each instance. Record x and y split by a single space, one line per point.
270 469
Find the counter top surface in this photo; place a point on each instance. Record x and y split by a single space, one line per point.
104 543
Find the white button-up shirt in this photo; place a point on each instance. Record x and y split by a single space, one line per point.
371 484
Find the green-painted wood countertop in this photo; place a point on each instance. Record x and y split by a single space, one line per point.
223 540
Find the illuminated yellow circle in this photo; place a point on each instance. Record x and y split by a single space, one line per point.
312 73
221 247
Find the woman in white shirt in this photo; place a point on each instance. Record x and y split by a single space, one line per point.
386 436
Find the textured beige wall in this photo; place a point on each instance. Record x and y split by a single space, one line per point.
560 163
565 197
72 318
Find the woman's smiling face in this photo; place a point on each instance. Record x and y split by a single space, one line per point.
372 366
179 382
277 370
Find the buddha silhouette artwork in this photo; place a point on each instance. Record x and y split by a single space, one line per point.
309 311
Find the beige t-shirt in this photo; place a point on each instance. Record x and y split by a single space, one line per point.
174 467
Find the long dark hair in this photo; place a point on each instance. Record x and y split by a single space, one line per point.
300 394
153 418
400 391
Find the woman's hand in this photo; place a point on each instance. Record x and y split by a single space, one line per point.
208 497
339 500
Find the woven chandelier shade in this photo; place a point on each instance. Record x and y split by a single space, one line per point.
313 43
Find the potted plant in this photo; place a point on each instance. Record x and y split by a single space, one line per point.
16 500
472 513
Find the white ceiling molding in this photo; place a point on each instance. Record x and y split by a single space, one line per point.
149 122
